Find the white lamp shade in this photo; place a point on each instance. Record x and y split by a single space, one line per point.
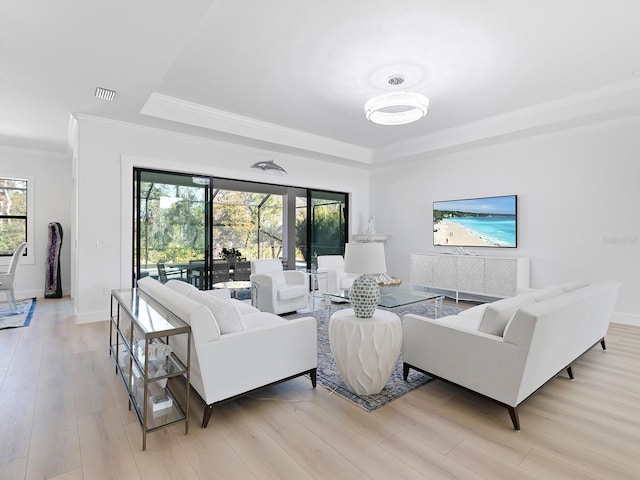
366 258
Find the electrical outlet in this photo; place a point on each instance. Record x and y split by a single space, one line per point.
106 290
102 244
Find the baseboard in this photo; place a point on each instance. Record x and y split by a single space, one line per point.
38 293
91 317
626 319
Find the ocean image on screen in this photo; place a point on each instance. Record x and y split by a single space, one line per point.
478 222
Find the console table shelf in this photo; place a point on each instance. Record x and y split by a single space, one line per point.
141 334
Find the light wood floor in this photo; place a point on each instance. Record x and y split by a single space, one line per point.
63 415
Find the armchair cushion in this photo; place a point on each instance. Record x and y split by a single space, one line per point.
278 278
287 292
266 265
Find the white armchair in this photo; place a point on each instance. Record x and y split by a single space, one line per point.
7 279
336 279
277 290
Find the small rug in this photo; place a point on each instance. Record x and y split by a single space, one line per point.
328 374
19 318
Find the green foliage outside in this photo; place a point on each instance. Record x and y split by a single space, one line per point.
13 203
173 227
328 232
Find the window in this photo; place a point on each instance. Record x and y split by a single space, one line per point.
14 204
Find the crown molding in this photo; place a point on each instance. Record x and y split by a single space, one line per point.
614 101
177 110
240 144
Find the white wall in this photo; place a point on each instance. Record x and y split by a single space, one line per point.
578 201
51 173
106 153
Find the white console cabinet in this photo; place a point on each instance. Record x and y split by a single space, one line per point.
488 276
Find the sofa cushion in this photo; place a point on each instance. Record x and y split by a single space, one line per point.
219 292
463 322
574 285
223 310
203 324
547 292
243 308
149 285
181 287
476 310
498 313
291 291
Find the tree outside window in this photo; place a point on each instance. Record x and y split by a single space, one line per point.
13 214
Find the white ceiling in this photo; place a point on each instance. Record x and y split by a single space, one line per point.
293 75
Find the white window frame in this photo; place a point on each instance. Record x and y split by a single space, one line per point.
29 259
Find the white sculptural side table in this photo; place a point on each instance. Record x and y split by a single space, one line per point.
365 349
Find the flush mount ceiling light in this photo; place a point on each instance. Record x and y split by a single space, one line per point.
269 165
396 108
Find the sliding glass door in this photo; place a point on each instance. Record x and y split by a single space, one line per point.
172 226
195 228
327 231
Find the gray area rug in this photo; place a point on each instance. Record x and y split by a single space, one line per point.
329 376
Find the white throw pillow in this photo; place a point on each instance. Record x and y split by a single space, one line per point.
223 310
498 313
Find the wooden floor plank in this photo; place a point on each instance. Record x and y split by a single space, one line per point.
64 415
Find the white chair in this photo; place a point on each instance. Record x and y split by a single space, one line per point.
336 278
7 279
277 290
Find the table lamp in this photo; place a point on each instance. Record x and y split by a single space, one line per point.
367 259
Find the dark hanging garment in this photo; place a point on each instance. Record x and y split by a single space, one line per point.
53 284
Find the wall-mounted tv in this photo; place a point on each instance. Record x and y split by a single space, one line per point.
476 222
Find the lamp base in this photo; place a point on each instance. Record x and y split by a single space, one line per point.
364 295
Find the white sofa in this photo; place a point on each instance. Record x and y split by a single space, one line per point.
235 347
508 349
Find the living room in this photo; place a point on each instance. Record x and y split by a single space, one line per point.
571 161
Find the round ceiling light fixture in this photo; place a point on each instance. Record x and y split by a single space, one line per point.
396 108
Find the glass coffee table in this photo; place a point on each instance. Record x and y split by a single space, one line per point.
236 288
390 298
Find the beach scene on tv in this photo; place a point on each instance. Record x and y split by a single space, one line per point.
477 222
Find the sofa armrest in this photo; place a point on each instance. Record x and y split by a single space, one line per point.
478 361
242 361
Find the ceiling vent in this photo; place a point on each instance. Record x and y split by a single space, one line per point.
105 94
